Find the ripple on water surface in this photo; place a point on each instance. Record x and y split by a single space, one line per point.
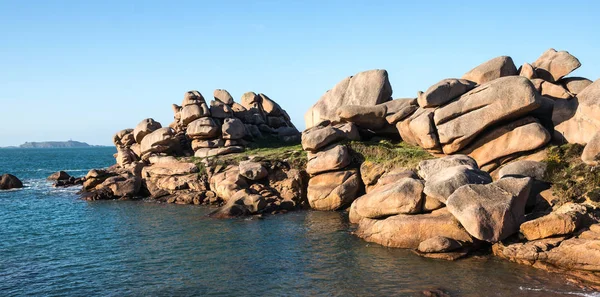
53 244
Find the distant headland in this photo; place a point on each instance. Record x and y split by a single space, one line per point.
55 144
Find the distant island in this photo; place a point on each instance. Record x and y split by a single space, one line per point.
56 144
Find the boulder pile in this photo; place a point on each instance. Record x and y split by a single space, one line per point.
155 161
204 131
489 130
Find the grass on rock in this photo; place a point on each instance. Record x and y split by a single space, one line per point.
572 180
383 152
389 154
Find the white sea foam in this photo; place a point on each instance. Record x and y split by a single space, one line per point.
585 294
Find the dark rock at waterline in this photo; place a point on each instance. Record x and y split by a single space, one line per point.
9 181
69 182
59 175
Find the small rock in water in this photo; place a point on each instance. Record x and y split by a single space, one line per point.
9 181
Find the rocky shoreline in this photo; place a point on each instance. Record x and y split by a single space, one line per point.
502 159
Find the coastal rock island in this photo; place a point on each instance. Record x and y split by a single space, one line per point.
501 160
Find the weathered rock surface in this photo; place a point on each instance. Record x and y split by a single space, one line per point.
408 231
223 96
524 168
9 181
444 91
491 70
442 184
242 203
144 128
399 109
220 110
252 170
438 244
368 117
575 85
522 135
331 158
211 152
564 221
591 152
203 128
160 141
578 119
555 91
365 88
402 197
493 211
553 65
427 168
233 129
227 182
462 120
419 129
333 190
527 71
59 175
579 257
192 112
319 137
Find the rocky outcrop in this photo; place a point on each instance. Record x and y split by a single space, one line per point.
427 168
408 231
334 157
576 256
578 119
368 117
444 91
491 70
198 129
564 221
520 136
9 181
553 65
445 182
366 88
402 197
333 190
62 179
459 122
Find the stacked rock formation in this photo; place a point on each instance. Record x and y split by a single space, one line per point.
224 127
489 130
147 165
495 113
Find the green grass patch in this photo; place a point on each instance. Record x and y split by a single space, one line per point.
389 154
270 149
384 152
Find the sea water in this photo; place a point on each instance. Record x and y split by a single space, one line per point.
54 244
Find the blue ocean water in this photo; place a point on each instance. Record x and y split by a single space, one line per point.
53 244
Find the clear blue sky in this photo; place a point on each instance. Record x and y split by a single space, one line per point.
86 69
